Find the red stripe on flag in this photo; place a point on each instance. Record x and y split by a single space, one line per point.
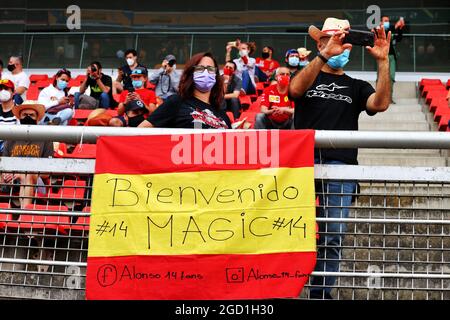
199 277
137 155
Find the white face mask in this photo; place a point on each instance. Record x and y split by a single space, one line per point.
130 61
243 53
5 95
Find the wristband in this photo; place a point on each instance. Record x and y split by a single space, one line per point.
325 60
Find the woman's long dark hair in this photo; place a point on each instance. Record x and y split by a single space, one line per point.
187 85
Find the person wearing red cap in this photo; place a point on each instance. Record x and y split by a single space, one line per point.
328 99
6 104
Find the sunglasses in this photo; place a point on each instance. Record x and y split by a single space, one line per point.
203 68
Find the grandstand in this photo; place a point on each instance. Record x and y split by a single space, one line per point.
43 247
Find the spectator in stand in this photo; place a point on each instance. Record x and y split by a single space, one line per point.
6 104
232 89
266 65
276 109
18 77
101 90
131 102
29 113
198 104
59 107
292 60
167 78
397 35
328 99
123 80
303 54
245 65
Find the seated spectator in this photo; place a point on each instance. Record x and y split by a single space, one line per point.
245 65
56 101
123 80
18 77
199 101
6 104
28 113
232 89
276 109
303 54
167 78
100 85
266 65
139 93
135 113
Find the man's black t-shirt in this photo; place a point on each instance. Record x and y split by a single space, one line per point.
178 113
333 102
96 91
126 79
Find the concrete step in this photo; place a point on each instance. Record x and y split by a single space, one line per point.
394 125
383 116
393 160
400 152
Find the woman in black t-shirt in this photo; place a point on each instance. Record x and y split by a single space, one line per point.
197 105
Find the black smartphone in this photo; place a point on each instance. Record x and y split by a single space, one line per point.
93 68
131 90
360 38
172 62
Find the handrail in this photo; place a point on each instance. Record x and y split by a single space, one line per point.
324 139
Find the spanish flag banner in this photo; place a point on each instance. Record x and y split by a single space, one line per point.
226 215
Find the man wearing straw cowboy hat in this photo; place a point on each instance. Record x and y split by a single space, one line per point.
28 113
328 99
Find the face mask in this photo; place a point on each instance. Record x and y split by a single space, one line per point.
28 120
61 84
5 95
386 25
204 81
137 83
293 61
130 61
243 53
283 80
135 121
11 67
339 61
265 55
303 63
227 72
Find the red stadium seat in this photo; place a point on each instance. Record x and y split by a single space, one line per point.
73 83
250 117
32 93
38 77
4 216
437 102
440 111
60 151
443 123
425 81
70 190
84 151
40 222
245 101
432 87
112 112
230 115
260 88
256 106
80 78
41 84
439 93
81 114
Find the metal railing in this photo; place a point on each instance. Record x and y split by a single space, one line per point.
417 52
396 246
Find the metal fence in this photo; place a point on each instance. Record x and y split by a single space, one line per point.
397 242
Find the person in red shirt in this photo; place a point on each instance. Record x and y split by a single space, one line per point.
266 65
276 109
147 97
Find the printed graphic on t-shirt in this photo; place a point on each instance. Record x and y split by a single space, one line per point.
21 150
320 93
208 118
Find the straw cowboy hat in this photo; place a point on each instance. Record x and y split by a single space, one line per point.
29 104
303 52
330 27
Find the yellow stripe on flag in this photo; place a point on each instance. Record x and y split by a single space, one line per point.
207 212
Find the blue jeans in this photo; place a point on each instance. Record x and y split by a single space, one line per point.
261 75
104 101
65 116
247 83
335 198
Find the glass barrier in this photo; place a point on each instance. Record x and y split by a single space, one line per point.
422 53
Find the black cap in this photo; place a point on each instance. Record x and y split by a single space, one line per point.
134 105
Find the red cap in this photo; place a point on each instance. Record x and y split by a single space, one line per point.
7 83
